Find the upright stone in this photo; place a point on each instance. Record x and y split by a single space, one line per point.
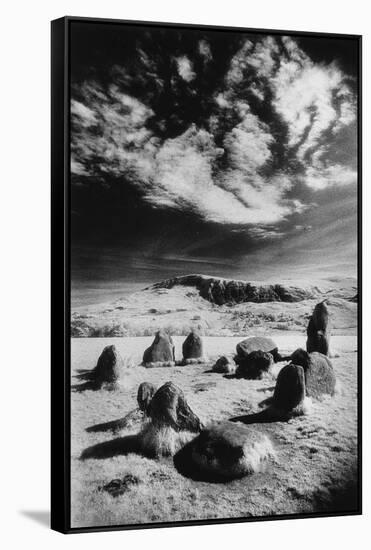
320 378
109 366
170 408
192 347
161 351
289 392
318 331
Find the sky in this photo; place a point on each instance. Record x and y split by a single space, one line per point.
226 153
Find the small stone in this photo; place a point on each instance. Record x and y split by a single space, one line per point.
118 487
224 365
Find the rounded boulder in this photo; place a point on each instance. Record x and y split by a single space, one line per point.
257 343
227 451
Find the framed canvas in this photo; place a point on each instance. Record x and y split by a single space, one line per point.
206 274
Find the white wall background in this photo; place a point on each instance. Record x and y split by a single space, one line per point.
24 272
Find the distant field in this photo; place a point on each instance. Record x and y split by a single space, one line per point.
317 454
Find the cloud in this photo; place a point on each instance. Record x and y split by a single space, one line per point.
313 100
86 116
185 68
322 177
232 164
185 179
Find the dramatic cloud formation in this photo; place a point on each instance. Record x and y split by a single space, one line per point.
247 151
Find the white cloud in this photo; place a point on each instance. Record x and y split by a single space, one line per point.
265 233
238 65
185 68
184 178
248 143
313 99
319 178
85 115
237 183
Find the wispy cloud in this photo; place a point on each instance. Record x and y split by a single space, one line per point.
185 68
229 167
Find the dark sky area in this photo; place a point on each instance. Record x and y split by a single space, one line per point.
210 151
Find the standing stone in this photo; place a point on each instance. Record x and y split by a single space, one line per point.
318 331
170 408
171 423
319 373
289 392
161 352
109 366
192 347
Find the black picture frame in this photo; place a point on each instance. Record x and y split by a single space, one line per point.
61 283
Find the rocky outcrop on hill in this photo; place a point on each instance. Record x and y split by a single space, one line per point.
225 291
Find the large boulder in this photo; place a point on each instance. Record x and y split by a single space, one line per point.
192 348
109 367
256 343
254 356
254 365
227 451
224 365
145 393
172 422
161 352
318 331
319 373
289 393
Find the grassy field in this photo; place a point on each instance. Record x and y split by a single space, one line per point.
315 469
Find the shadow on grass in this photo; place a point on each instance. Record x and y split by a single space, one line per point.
266 416
84 374
115 447
91 385
185 465
119 424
